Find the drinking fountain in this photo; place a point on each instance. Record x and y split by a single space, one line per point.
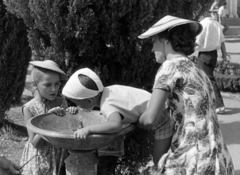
58 130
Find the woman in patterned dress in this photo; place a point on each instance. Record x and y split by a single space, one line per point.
186 93
42 157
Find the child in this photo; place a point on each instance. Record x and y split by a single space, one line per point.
119 104
43 157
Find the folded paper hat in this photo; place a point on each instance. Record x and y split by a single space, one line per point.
50 65
75 90
169 22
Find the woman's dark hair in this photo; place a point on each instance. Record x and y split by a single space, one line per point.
87 82
181 37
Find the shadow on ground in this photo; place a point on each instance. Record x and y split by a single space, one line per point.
231 129
237 172
232 53
13 129
230 111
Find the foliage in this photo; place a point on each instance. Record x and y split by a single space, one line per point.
228 83
228 68
102 35
99 34
135 157
227 75
14 58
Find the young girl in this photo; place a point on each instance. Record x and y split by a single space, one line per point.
43 157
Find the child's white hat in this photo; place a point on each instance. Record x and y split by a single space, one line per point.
50 65
75 90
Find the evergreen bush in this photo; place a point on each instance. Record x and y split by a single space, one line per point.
228 83
227 75
14 57
227 68
102 35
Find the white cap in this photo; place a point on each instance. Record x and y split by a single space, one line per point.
74 88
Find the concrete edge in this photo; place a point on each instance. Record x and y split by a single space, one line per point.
234 96
232 40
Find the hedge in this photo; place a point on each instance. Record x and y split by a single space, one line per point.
227 75
15 54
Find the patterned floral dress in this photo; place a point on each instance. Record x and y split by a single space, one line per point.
197 145
48 159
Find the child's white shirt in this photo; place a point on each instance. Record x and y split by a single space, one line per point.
128 101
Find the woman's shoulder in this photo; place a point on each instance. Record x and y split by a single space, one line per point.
176 65
175 61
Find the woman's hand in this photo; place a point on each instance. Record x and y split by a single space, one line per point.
7 167
57 110
227 58
72 110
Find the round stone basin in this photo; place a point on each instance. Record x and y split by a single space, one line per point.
58 130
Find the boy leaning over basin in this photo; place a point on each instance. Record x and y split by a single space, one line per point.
119 104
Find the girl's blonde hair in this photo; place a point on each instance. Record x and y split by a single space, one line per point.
37 74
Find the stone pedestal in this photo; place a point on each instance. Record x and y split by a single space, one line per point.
81 163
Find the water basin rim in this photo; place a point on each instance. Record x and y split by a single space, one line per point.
55 134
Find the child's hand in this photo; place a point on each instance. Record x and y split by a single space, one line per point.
82 133
72 109
56 110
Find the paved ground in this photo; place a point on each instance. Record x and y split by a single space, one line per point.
230 121
233 49
230 126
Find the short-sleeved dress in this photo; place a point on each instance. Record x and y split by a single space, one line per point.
48 159
197 144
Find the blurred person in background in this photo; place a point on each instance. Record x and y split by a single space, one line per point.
222 17
208 42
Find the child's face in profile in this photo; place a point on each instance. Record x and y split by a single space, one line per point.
49 85
86 104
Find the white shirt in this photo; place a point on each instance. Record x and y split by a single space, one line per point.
128 101
211 36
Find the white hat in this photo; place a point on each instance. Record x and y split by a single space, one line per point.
75 90
50 65
169 22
